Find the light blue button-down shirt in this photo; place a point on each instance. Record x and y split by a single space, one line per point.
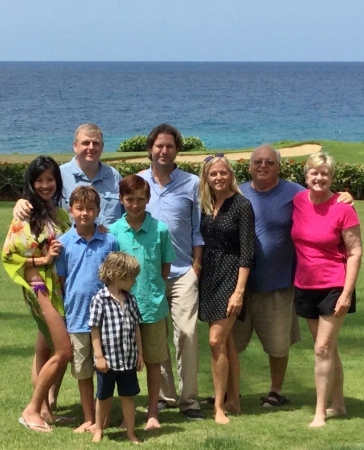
177 205
106 182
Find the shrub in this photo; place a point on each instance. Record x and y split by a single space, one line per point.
138 144
348 177
192 143
134 144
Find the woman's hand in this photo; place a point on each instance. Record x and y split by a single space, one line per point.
53 251
235 304
343 304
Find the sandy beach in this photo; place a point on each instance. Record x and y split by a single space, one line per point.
300 150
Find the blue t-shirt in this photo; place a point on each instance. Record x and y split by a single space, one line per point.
106 182
274 252
79 263
151 245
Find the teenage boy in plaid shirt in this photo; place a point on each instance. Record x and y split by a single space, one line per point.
113 314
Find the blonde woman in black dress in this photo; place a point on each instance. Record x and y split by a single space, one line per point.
227 226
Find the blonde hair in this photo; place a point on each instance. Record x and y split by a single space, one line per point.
120 266
206 193
89 128
318 159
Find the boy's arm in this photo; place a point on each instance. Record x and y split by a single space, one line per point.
166 268
138 338
101 363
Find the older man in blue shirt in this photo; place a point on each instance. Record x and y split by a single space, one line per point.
174 200
86 169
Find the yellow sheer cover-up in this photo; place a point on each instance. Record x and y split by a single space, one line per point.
21 244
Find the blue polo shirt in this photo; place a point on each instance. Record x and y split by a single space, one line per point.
151 245
177 205
79 263
106 182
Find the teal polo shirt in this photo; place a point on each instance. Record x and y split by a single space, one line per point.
151 245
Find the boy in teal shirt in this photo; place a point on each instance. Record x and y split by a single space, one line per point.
148 240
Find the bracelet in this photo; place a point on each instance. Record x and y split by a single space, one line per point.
33 261
197 265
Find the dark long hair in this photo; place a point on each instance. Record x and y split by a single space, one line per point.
41 214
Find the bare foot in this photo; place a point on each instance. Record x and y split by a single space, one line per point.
34 422
97 436
123 424
318 422
152 424
92 428
84 427
133 438
332 412
220 417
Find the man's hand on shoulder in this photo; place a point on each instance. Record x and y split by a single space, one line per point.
345 197
22 209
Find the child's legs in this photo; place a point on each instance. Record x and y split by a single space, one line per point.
128 387
103 409
154 342
128 409
154 379
82 369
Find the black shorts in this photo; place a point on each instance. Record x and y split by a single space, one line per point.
126 381
312 303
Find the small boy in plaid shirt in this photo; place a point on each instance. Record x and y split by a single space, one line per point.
114 322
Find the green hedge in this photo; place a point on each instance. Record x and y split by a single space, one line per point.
348 177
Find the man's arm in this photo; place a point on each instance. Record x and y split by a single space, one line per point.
22 209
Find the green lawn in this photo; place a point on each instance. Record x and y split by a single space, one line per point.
257 428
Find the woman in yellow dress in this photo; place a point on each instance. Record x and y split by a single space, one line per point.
28 254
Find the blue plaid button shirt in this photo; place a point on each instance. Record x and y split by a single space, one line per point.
117 326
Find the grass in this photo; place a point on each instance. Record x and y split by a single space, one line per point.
258 428
350 152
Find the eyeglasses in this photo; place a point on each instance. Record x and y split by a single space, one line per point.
216 155
259 162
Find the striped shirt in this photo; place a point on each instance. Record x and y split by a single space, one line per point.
117 326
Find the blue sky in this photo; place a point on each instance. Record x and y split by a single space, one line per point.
182 30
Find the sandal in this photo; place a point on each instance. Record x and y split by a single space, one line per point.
274 399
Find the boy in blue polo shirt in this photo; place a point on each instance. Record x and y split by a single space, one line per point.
84 249
148 240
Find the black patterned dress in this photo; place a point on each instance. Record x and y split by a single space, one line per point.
229 245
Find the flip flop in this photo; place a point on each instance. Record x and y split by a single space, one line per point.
32 426
63 420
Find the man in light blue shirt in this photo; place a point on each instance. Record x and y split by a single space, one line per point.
87 169
174 200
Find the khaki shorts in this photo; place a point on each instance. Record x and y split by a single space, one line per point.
154 341
82 365
272 315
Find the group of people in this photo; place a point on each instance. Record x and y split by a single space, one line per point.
166 241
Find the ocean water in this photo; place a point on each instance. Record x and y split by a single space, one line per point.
228 105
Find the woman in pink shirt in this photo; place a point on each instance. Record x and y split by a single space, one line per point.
326 235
